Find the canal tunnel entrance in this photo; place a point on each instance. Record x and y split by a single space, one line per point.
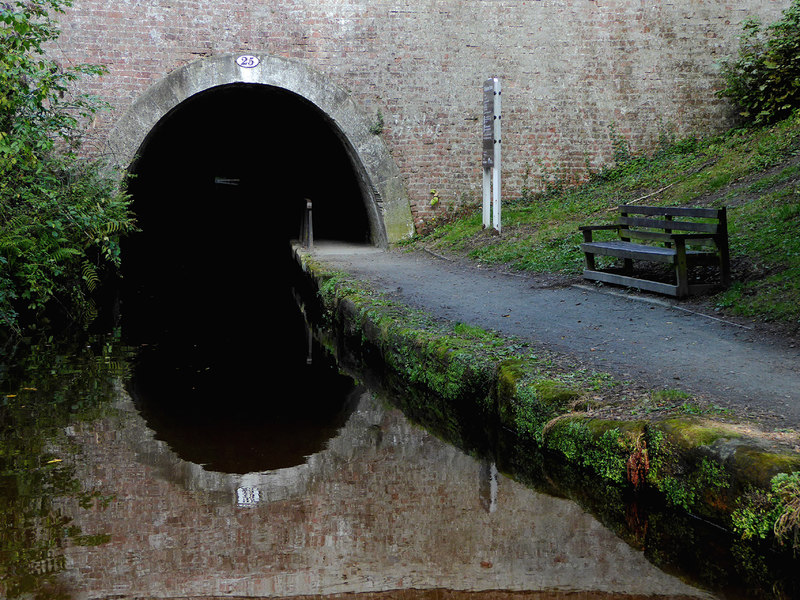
220 186
227 374
237 162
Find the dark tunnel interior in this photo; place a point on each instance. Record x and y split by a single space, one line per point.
219 189
223 371
234 164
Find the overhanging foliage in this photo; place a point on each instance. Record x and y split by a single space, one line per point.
60 215
764 80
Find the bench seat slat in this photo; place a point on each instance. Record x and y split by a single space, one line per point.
630 250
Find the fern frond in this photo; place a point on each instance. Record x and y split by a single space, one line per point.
62 253
87 311
18 221
118 368
90 276
115 226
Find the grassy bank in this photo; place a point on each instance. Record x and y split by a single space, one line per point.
754 172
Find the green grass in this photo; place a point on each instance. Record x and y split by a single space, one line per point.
754 172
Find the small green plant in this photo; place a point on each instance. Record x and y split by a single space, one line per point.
464 329
666 137
786 486
763 80
376 128
774 512
691 408
682 483
526 193
599 446
669 395
622 151
434 197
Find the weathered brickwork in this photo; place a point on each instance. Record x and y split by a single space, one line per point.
571 71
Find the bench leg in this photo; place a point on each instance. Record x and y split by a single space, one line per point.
681 270
627 266
588 256
722 248
724 263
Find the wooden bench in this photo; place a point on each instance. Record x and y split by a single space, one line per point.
683 244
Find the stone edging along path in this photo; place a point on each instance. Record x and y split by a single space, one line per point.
721 469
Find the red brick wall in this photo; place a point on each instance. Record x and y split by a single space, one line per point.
570 69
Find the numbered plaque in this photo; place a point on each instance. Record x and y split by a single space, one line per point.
247 61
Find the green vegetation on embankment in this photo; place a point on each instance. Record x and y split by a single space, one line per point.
754 172
463 379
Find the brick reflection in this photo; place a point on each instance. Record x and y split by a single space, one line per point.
385 507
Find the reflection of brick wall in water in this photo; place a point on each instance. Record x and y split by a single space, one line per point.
385 507
570 68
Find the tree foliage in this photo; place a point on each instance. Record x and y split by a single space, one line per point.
60 215
764 80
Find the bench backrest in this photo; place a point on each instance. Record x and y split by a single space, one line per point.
657 222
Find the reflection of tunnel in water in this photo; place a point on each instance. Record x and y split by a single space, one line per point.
218 191
242 400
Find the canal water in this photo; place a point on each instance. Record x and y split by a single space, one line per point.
186 456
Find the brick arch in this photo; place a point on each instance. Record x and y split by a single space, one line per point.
385 198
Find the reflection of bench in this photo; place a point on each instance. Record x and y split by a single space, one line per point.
699 238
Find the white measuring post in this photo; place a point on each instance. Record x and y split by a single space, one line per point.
491 154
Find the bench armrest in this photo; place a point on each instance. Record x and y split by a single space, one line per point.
598 227
588 229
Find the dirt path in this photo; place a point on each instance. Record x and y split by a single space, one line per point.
648 341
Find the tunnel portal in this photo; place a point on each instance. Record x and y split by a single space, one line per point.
232 166
219 188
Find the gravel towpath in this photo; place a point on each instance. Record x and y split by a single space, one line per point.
657 343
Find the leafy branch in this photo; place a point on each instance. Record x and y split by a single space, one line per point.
764 80
58 211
